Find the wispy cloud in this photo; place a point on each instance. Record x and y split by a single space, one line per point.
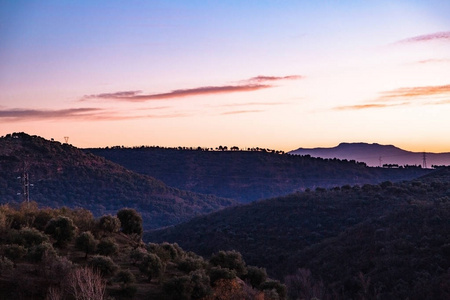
254 104
360 106
413 92
35 114
83 114
262 78
235 112
248 85
436 60
445 35
422 95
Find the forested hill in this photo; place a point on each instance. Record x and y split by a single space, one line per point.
60 174
248 175
386 241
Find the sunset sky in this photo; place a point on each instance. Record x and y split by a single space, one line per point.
272 74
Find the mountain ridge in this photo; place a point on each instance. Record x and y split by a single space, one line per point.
376 155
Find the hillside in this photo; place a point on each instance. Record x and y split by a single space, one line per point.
372 153
247 175
55 254
62 175
394 234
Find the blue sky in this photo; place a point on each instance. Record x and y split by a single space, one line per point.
275 74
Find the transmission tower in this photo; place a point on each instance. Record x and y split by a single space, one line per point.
381 161
424 160
25 183
66 138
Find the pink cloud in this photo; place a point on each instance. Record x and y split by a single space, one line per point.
445 35
249 85
235 112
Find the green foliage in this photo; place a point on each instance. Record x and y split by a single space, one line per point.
137 255
256 276
108 223
131 221
165 251
39 252
151 265
189 264
105 265
61 229
231 260
14 252
86 242
107 247
178 288
125 277
218 273
275 285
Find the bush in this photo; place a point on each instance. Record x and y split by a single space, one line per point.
104 265
86 242
256 276
137 255
231 260
218 273
131 221
30 237
178 288
190 264
109 224
37 253
107 247
61 229
14 252
275 285
125 277
151 265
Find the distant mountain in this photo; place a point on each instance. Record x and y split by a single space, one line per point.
386 241
247 175
62 175
375 154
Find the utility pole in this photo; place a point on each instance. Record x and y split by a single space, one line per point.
25 183
381 161
424 161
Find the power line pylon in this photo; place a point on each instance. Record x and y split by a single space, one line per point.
424 160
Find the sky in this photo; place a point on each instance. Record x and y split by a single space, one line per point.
270 74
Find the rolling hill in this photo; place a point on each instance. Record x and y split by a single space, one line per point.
395 235
62 175
248 175
375 154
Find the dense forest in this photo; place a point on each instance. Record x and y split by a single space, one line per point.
64 253
386 241
248 175
62 175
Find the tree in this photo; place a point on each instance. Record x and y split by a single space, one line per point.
256 276
131 221
104 265
86 242
151 266
109 224
231 260
107 247
61 229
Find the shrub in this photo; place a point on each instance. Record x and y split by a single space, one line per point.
86 242
151 265
37 253
109 224
275 285
231 260
107 247
218 273
178 288
190 264
104 265
61 229
256 276
131 221
125 277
